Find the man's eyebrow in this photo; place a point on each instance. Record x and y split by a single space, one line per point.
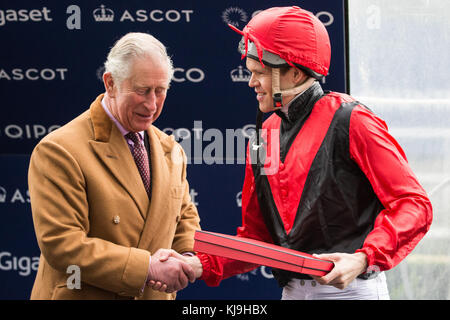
164 87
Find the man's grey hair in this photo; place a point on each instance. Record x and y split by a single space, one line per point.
131 46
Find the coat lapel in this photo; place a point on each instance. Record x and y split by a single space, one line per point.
112 149
160 180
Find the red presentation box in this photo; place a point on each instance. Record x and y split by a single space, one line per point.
258 252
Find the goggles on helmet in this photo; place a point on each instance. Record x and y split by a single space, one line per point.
271 59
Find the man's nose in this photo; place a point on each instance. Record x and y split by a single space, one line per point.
150 100
253 82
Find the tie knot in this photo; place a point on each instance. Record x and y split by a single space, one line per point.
133 136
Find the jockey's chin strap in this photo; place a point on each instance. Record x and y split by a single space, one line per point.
278 93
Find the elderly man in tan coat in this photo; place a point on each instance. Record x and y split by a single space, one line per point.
109 192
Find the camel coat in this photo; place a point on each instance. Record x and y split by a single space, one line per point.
90 209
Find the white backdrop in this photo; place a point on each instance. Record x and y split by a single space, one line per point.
399 67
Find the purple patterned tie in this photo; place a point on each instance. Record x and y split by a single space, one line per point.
141 158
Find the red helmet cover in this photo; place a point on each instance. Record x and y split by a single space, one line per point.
294 34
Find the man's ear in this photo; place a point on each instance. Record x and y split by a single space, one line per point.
299 76
110 86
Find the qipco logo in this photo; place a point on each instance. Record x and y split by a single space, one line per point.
190 75
325 17
27 131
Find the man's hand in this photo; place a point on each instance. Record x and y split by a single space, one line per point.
346 268
195 264
193 261
172 272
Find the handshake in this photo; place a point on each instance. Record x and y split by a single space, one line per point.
170 271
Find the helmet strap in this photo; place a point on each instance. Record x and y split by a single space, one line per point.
277 93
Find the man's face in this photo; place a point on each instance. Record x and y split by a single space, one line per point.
261 82
140 99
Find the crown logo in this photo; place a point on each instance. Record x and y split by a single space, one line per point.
2 194
240 75
103 14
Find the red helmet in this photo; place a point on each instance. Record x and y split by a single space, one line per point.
284 36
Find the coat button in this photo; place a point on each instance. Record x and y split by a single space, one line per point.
116 219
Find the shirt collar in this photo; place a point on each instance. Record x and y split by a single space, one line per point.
301 105
285 108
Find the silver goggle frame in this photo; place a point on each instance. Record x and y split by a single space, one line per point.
269 58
